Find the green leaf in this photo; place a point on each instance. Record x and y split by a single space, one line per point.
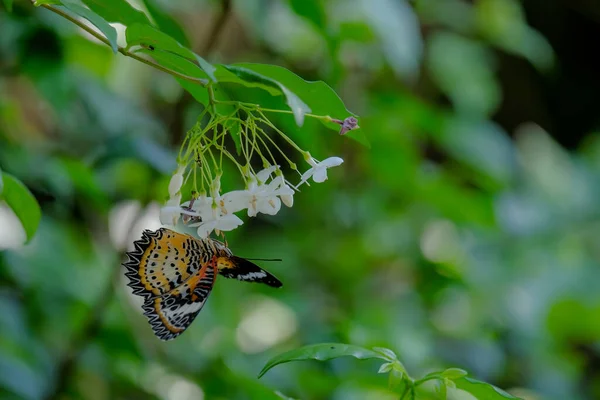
482 390
38 3
183 66
206 67
166 23
117 11
252 78
8 5
449 374
391 356
442 390
321 98
147 36
449 383
224 74
22 202
1 183
312 10
321 352
109 32
385 368
151 38
454 373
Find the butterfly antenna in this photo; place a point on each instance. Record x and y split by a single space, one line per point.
263 259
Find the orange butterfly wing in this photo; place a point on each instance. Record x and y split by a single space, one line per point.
175 274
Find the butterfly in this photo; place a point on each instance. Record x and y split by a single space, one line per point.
175 273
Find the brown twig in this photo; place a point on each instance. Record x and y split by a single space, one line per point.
217 28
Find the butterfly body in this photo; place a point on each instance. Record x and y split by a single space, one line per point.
175 273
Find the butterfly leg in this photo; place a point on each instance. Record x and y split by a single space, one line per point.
221 233
190 218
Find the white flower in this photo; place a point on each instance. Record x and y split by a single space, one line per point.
263 175
212 214
196 209
287 193
234 201
217 212
318 170
176 181
170 213
216 221
259 197
266 203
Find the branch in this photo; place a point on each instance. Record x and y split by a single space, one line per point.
122 50
215 32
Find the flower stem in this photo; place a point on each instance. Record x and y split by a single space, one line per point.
257 107
267 122
325 118
404 393
208 143
211 99
292 164
198 133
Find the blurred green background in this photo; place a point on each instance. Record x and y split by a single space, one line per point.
467 236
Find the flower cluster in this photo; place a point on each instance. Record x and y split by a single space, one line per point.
264 193
200 161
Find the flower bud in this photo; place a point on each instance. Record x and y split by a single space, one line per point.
176 181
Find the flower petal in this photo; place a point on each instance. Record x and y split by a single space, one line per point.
284 191
287 199
269 205
170 213
199 203
229 222
320 175
206 228
277 183
252 211
331 162
168 217
265 174
175 184
306 176
252 184
236 200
